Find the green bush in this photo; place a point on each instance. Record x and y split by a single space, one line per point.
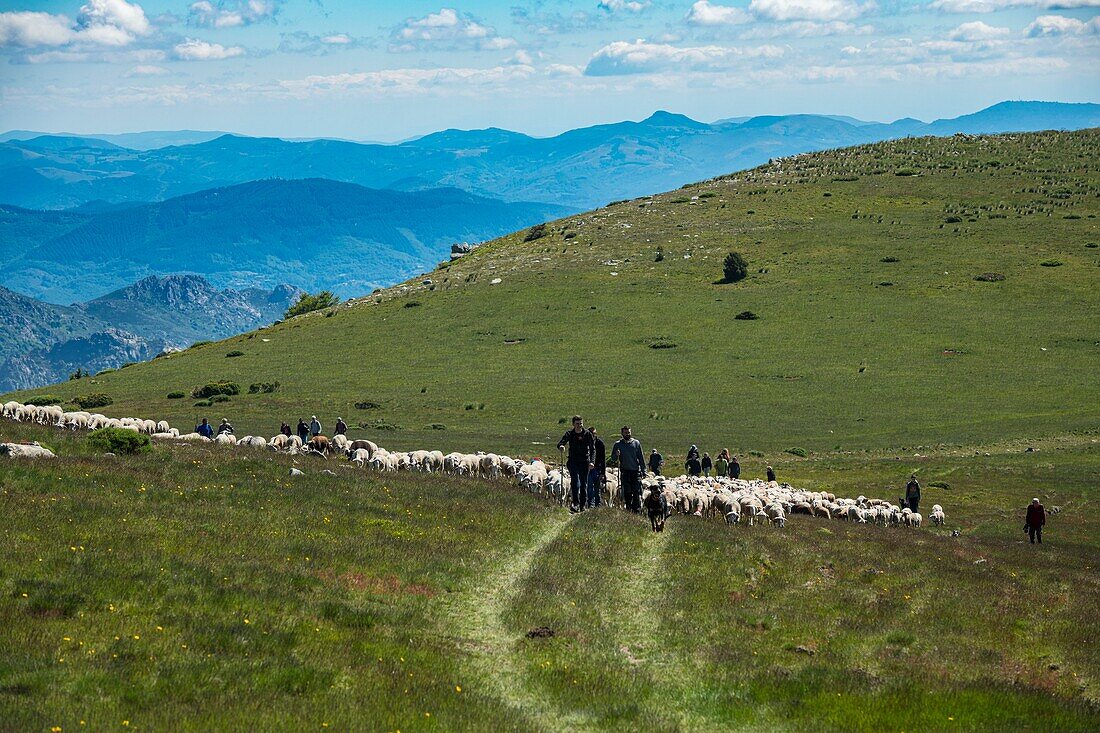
96 399
378 424
233 354
203 403
989 277
1051 263
44 399
367 405
905 172
176 395
536 232
265 387
746 316
800 452
199 343
219 398
78 374
437 426
214 388
119 441
889 258
939 484
308 303
735 267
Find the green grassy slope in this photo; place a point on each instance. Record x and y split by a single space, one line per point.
850 351
198 589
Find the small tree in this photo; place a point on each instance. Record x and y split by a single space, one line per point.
735 268
307 303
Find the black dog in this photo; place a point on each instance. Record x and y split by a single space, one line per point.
656 507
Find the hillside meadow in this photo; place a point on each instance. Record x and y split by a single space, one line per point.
871 330
202 589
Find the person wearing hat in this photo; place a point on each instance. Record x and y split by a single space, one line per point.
1036 518
314 427
225 427
693 465
912 493
771 475
341 427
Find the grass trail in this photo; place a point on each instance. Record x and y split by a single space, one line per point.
477 616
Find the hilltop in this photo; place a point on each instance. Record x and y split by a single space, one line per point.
871 329
578 168
312 233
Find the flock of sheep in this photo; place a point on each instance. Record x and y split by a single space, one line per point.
736 500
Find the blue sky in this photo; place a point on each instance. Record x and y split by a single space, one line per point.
371 70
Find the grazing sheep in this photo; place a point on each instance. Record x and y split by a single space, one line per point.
21 450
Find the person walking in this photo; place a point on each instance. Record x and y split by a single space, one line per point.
303 431
284 429
656 460
627 455
1036 518
912 494
722 463
205 429
771 474
598 475
582 459
707 464
341 427
693 465
314 427
735 468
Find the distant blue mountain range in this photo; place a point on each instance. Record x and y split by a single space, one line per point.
580 168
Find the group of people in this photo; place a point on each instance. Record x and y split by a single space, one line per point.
306 431
587 461
206 430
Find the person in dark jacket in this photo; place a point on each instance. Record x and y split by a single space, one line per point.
771 474
656 460
225 427
707 464
341 427
598 474
735 468
582 459
303 431
912 493
284 429
693 465
1036 518
205 429
627 455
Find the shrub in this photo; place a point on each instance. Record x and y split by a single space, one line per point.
660 255
437 426
412 304
199 343
308 303
176 395
900 638
746 316
233 354
44 399
989 277
889 258
203 403
734 268
367 405
536 232
905 172
756 454
214 388
939 484
378 424
117 440
800 452
265 387
78 374
1051 263
96 399
953 220
219 398
662 344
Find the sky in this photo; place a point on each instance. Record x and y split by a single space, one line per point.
385 71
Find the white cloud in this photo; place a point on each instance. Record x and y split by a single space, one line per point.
618 6
446 29
29 29
989 6
521 57
642 57
195 50
147 70
706 14
821 10
1059 25
808 29
340 39
223 14
99 23
977 31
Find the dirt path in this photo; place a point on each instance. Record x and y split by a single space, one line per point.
477 616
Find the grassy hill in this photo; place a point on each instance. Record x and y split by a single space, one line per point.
198 589
872 330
